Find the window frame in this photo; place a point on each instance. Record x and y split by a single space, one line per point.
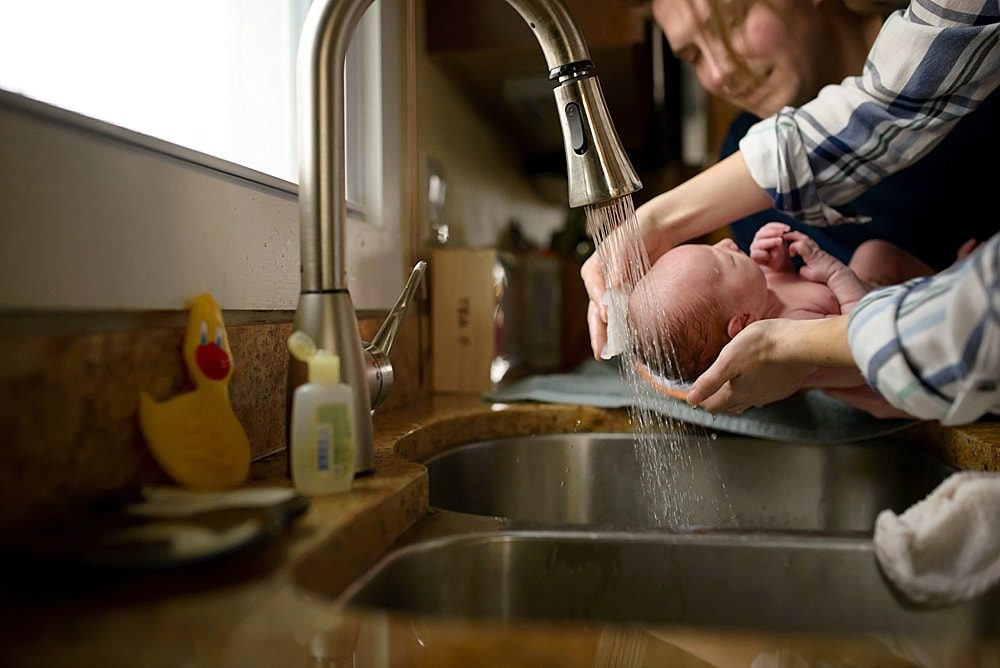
88 210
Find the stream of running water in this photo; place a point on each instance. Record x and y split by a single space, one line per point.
679 471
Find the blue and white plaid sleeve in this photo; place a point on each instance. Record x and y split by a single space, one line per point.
930 65
931 346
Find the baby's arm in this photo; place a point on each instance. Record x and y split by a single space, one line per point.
768 247
821 267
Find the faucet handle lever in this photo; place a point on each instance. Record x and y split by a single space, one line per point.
386 335
380 373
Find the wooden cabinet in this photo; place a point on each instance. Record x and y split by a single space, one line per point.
488 51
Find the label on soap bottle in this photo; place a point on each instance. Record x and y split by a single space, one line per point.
324 442
333 436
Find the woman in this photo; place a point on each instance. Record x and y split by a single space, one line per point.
768 54
930 66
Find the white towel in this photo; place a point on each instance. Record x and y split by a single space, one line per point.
617 302
945 548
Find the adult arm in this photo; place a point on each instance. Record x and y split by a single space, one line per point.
780 357
930 65
931 346
770 360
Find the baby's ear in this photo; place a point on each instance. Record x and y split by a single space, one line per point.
738 322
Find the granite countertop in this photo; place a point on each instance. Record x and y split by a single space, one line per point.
274 605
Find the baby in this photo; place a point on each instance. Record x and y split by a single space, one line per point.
698 297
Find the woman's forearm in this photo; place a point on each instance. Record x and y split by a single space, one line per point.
704 203
822 342
770 360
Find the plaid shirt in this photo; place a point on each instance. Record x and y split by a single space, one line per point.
930 65
931 346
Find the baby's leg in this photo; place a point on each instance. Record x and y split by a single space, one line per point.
878 262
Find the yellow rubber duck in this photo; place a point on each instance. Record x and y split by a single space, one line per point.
195 436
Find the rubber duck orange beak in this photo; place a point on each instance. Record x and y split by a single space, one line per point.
213 361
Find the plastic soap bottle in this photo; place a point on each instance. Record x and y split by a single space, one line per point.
322 429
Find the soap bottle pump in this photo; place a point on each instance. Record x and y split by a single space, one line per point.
322 423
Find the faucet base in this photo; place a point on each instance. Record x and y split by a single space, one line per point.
329 318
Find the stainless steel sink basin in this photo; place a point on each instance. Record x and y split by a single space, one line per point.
722 580
604 481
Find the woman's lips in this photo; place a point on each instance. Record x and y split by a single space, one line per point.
753 92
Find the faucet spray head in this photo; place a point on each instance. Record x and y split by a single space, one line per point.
596 163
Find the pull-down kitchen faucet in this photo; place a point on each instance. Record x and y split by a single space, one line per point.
597 166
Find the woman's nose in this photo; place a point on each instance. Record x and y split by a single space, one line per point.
721 71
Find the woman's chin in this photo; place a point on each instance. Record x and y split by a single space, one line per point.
763 106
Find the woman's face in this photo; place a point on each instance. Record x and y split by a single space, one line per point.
779 41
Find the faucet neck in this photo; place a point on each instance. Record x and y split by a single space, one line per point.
555 31
322 52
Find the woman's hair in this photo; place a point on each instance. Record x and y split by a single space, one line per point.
728 13
678 335
724 15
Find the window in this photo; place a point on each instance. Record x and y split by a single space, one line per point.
216 76
209 81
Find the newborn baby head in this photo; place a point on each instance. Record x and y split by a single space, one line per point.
692 302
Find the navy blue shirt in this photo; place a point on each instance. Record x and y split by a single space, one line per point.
929 209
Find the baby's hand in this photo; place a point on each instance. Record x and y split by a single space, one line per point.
768 247
819 265
966 249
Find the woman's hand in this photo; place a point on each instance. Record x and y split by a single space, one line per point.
617 250
770 360
750 371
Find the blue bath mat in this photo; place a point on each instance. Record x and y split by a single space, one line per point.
809 416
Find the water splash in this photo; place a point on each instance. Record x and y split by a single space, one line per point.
673 456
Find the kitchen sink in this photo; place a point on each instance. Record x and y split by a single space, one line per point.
778 583
606 481
732 538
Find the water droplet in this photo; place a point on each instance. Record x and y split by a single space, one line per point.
714 436
562 483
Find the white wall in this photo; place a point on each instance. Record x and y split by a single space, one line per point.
94 216
90 220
